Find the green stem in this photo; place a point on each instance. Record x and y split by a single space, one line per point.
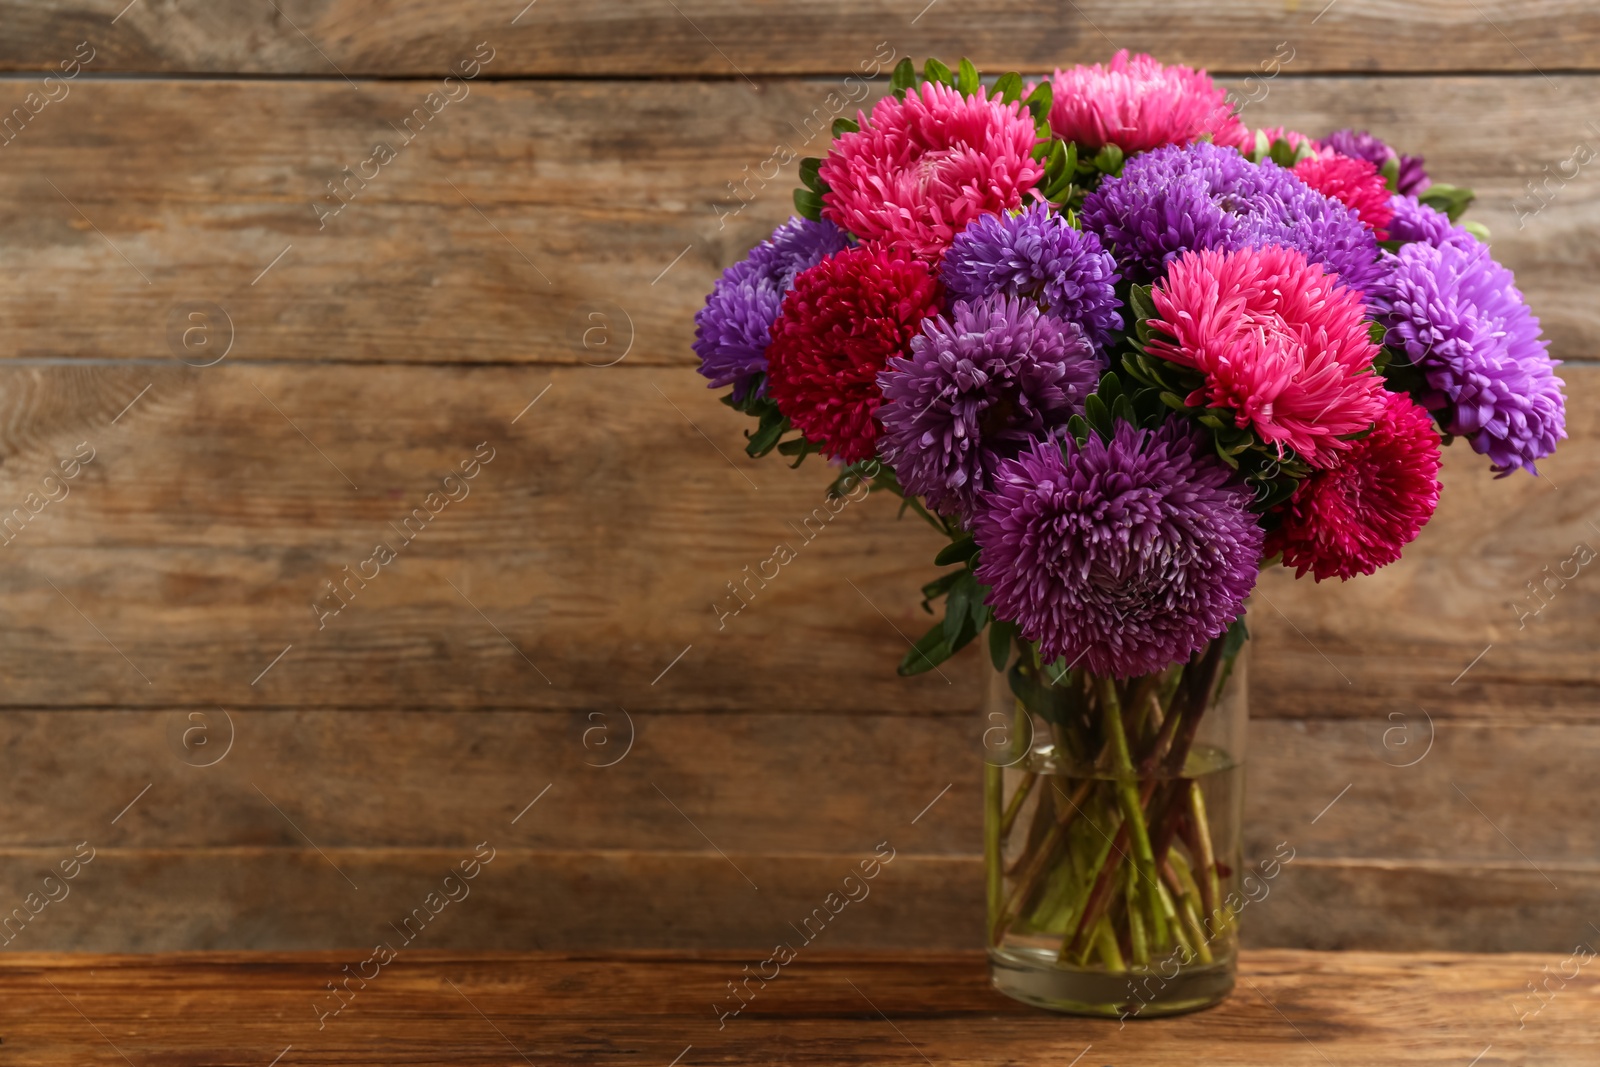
1106 942
993 837
1183 885
1008 820
1132 812
1136 935
1038 861
1205 856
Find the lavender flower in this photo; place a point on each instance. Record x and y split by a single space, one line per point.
1035 254
733 329
977 388
1416 221
1460 318
1411 179
1201 196
1120 556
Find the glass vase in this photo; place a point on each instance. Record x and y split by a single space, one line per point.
1112 833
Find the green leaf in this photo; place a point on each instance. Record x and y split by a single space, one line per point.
1109 160
903 77
1174 401
1038 101
1000 637
1009 87
808 204
958 612
1477 229
1110 387
1142 303
1376 331
764 439
1098 415
938 588
1282 153
1078 428
799 448
1391 173
1056 165
843 126
960 552
1060 190
929 651
808 174
935 71
1049 703
1237 635
967 78
1450 199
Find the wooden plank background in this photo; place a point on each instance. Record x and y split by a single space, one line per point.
544 240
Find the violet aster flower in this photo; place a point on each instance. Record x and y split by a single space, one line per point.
1460 318
1035 254
977 388
1416 221
733 329
1121 556
1204 196
1412 178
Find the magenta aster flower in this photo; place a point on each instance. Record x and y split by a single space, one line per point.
1033 253
1283 347
921 168
734 328
1459 317
1120 556
1356 517
977 388
1137 104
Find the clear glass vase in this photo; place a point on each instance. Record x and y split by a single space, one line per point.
1112 833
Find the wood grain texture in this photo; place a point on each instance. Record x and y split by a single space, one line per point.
599 544
724 38
524 275
293 897
753 782
1294 1009
655 849
516 213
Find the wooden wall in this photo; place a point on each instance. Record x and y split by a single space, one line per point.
545 240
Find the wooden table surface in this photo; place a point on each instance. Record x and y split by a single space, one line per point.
653 1010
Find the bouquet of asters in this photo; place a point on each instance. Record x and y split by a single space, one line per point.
1123 352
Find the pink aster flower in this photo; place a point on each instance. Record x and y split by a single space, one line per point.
1357 516
1137 104
1284 348
921 168
1355 183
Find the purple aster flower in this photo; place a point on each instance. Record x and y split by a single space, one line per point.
1460 318
977 388
1035 254
1201 196
1122 556
1416 221
733 329
1411 179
